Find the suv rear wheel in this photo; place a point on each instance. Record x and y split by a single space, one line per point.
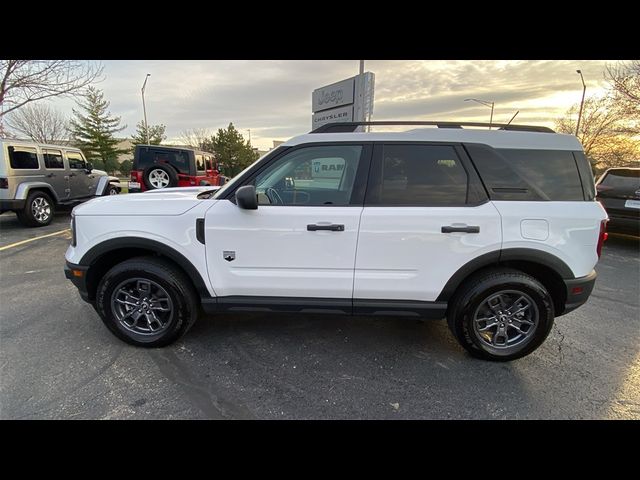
38 210
501 314
156 177
146 302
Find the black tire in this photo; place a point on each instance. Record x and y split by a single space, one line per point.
112 190
38 210
170 172
183 300
476 290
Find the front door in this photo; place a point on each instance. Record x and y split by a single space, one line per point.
425 216
301 241
56 175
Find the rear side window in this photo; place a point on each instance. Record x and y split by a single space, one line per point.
23 158
53 159
200 163
179 159
418 175
76 161
519 174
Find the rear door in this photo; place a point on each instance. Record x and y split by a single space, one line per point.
81 183
57 173
425 216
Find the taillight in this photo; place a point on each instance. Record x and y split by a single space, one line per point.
4 183
602 237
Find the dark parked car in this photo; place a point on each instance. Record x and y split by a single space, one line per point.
619 193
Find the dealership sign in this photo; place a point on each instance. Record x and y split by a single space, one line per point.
349 100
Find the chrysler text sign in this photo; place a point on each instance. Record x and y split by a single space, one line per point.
341 114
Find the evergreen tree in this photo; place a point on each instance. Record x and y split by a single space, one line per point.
125 167
232 151
156 135
93 128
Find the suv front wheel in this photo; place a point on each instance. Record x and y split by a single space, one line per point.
146 302
501 314
38 210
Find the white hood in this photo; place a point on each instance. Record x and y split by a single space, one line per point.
168 201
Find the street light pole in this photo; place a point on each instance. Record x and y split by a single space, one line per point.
486 104
144 109
584 90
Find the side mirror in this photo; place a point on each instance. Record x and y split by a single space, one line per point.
89 167
246 197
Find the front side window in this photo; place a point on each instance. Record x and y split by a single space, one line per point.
312 176
418 175
76 161
53 159
23 158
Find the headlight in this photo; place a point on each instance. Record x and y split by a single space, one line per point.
73 230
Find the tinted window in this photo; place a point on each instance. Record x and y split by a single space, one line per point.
23 158
627 181
586 175
76 161
200 163
179 159
53 159
518 174
313 176
418 175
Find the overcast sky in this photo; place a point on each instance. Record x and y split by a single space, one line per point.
273 98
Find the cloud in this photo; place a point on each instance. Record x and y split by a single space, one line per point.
273 98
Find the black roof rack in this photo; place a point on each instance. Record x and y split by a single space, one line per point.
351 126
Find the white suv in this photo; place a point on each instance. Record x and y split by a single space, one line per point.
497 230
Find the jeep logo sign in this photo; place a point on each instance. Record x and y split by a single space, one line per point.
334 95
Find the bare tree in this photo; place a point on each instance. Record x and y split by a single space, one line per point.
40 122
197 138
25 81
604 133
624 82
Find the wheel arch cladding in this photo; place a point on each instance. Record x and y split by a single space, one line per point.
545 267
103 256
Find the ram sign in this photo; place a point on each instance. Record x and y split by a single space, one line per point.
349 100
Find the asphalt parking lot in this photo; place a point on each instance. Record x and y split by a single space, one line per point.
57 360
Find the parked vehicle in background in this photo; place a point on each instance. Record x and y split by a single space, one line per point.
36 178
158 166
618 190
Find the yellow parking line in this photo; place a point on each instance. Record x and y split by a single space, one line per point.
11 245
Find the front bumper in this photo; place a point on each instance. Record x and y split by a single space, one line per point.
14 205
78 276
578 291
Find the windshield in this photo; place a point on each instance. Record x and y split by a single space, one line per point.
231 183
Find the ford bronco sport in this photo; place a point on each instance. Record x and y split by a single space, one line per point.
496 230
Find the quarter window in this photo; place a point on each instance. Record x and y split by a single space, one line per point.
76 161
313 176
23 158
53 159
418 175
200 163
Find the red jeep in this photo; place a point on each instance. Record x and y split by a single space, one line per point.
160 166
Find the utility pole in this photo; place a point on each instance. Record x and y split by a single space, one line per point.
144 108
584 89
361 67
486 104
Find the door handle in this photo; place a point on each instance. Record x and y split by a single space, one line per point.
333 227
72 174
465 229
50 175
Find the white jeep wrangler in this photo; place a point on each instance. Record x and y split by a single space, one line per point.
497 230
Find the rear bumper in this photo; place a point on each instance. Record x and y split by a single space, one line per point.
6 205
578 291
71 271
623 224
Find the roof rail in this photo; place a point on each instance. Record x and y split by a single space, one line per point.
352 126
